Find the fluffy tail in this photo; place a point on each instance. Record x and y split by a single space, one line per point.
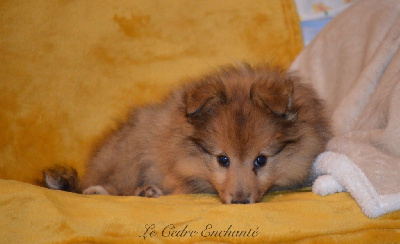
61 178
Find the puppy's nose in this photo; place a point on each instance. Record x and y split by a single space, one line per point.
240 201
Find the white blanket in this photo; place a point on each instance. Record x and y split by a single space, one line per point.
354 64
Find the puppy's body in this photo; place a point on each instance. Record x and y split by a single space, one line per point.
237 132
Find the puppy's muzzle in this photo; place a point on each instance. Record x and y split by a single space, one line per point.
240 198
240 201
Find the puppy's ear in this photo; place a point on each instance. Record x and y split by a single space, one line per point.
276 96
203 97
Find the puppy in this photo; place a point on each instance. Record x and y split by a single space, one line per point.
237 132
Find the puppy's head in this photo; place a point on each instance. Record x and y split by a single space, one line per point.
257 128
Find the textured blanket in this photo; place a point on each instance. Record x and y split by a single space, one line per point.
355 65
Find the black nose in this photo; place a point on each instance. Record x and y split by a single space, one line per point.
240 201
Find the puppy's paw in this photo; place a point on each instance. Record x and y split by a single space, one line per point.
95 190
148 191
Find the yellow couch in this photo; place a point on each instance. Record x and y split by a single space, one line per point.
71 70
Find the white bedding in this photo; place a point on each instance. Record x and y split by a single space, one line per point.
354 64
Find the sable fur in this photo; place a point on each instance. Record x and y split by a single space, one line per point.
240 112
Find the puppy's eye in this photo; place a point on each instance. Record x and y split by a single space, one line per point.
223 160
260 161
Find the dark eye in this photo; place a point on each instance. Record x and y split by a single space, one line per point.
223 161
260 161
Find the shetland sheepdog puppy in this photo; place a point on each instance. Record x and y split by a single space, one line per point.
237 132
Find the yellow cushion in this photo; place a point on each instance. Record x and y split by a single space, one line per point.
69 71
34 213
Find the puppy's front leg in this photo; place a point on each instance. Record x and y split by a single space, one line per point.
100 190
95 190
148 191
